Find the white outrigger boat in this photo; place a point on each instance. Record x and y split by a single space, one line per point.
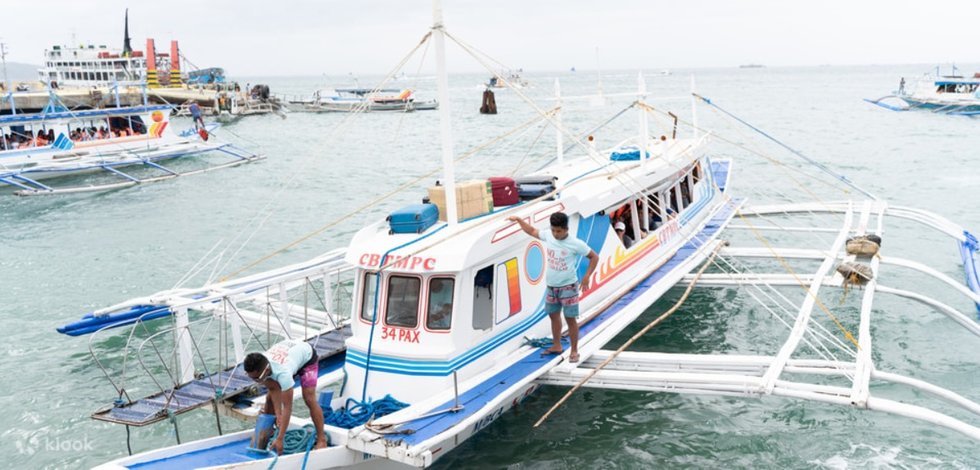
944 94
52 144
348 100
455 379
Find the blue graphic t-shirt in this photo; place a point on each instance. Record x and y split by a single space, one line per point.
562 258
285 360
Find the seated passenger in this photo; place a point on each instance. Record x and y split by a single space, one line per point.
440 313
621 233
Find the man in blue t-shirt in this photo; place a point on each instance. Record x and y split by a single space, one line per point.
561 280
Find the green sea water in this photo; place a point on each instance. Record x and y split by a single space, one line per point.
63 256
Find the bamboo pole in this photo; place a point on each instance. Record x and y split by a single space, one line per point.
635 337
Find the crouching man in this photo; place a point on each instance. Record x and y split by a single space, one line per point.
276 369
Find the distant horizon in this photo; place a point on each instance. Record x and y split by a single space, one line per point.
944 67
312 37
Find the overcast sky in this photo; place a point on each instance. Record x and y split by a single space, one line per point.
310 37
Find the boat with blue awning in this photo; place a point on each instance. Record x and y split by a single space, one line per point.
36 148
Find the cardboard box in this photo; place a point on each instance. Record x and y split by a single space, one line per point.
473 198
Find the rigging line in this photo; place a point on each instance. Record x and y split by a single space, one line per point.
418 70
813 162
520 163
199 266
334 132
588 133
790 270
778 163
378 199
286 181
784 263
590 152
786 266
635 337
746 269
823 333
696 236
771 159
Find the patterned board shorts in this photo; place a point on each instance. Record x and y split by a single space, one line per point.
308 375
562 298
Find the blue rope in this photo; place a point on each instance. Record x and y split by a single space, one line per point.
813 162
544 342
356 413
295 441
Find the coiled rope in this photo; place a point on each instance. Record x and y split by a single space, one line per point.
294 442
356 413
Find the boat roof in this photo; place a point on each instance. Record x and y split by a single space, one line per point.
19 119
592 192
958 82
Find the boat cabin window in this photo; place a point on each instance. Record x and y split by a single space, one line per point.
402 308
439 313
655 210
508 292
368 297
483 299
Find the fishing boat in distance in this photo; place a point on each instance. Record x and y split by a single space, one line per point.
347 100
943 94
412 372
508 79
107 145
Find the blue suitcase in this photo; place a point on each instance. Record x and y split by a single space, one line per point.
533 187
414 218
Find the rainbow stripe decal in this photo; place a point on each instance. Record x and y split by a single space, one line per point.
513 285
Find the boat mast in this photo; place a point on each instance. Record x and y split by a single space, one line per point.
559 141
127 47
694 108
445 125
6 81
642 115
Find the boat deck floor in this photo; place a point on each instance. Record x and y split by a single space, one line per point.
330 348
225 454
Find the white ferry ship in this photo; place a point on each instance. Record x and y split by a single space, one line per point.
101 66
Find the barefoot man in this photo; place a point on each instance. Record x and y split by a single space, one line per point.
275 369
561 280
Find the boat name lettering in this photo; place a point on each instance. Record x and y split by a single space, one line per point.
399 334
486 420
398 262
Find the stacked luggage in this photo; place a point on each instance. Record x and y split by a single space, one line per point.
473 199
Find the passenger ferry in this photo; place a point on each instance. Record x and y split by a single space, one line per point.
89 65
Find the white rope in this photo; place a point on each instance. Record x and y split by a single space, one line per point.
262 215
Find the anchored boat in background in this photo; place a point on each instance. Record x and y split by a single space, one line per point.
378 318
347 100
945 94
